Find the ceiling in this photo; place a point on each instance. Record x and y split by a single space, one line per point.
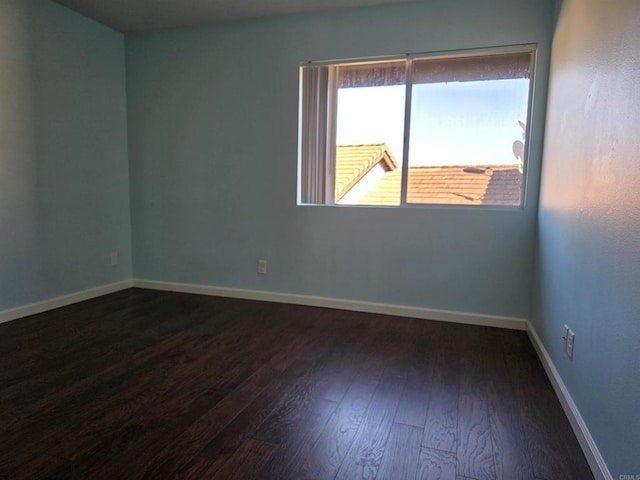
139 15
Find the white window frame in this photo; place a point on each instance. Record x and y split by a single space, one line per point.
316 137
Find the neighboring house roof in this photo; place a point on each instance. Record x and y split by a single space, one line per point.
462 184
354 161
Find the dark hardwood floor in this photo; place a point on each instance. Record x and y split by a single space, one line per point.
144 384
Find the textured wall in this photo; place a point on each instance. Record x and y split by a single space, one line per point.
213 121
64 192
588 268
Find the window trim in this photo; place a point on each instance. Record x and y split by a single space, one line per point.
328 200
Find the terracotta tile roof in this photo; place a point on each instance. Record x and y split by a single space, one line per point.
461 185
354 161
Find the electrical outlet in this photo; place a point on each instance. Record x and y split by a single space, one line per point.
114 259
262 267
571 339
565 335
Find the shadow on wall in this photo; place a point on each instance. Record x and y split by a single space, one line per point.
20 203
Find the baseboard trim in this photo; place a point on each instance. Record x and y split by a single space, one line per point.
588 444
63 301
338 303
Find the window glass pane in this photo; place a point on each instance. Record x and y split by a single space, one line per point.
369 133
466 142
467 134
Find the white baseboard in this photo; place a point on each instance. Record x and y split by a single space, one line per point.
353 305
589 447
50 304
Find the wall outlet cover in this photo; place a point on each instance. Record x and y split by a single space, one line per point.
571 338
262 267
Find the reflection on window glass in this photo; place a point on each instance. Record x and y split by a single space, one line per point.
467 123
467 126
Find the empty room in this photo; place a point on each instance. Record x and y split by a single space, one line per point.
320 239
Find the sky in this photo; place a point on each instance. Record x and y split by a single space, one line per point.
457 123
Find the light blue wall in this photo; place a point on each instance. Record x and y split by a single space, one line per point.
588 267
213 151
64 198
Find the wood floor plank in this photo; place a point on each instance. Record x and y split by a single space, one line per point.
474 450
441 424
220 431
345 361
551 444
185 404
59 360
246 462
401 455
324 460
366 451
367 366
280 400
301 437
522 361
440 431
126 367
187 400
510 453
179 387
291 408
436 465
44 430
40 466
414 402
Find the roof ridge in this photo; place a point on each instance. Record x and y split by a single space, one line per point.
494 166
371 155
363 145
